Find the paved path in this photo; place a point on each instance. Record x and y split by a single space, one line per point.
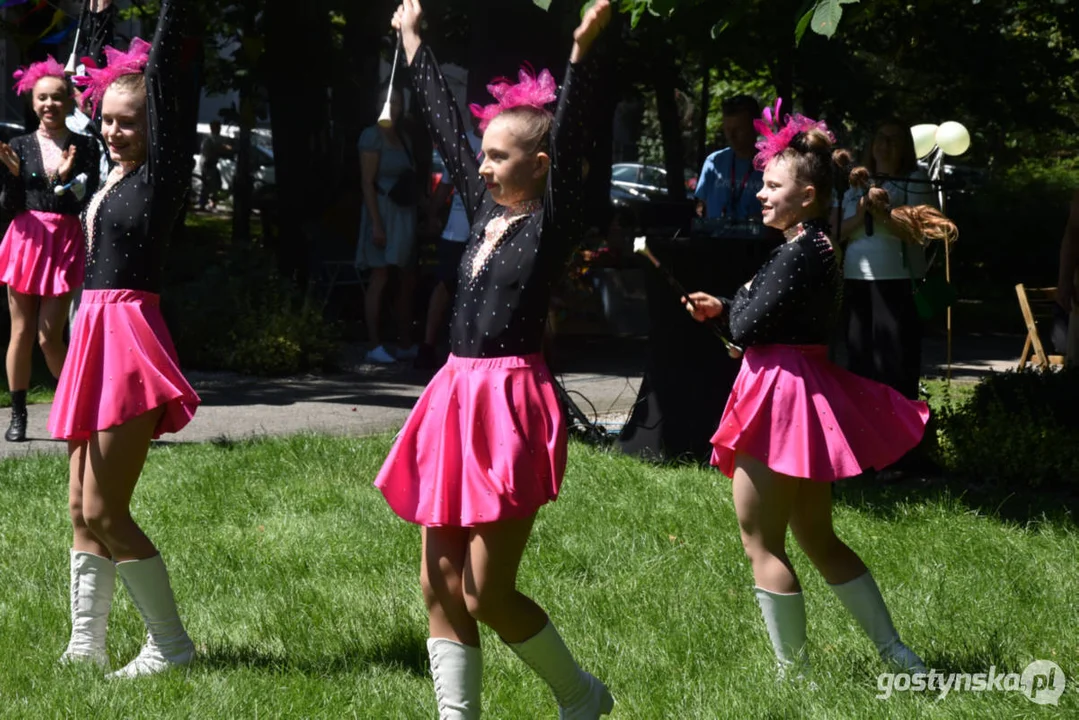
372 399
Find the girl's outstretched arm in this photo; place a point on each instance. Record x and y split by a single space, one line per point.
570 140
439 108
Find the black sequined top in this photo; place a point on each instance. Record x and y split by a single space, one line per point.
32 189
503 310
794 297
134 221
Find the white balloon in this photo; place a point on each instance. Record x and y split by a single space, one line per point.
953 138
925 138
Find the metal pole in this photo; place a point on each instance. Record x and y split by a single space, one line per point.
935 167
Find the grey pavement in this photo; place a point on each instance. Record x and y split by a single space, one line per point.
602 376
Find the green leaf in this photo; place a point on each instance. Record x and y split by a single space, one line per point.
586 6
730 17
636 11
663 8
826 17
543 4
803 25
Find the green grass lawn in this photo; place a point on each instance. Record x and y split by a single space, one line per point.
300 588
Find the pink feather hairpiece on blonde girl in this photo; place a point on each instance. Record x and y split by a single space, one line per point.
26 78
776 139
532 90
97 80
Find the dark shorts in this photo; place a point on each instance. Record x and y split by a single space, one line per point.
449 260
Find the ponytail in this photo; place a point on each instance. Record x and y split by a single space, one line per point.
919 224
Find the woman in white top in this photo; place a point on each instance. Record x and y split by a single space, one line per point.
884 331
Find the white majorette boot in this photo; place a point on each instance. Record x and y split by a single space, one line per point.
93 579
580 696
167 644
862 598
457 670
785 617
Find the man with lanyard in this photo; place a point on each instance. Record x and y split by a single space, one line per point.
728 184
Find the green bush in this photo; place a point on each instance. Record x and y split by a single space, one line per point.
1017 430
229 309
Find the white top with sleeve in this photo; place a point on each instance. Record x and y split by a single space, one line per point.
880 256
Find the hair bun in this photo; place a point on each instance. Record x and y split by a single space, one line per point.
859 176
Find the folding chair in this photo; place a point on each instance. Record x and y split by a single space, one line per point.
1033 303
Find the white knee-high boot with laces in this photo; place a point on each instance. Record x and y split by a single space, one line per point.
863 600
457 670
580 696
93 580
167 644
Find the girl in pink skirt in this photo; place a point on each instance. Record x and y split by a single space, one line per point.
121 385
795 422
485 445
48 175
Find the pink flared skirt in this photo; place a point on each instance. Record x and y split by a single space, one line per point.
43 254
486 441
803 416
120 364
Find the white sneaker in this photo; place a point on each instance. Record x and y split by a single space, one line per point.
408 353
379 356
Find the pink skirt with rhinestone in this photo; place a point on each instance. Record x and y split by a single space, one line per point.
43 254
804 416
486 441
120 364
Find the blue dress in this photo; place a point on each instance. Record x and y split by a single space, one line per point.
399 222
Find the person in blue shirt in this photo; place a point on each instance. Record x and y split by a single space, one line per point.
728 184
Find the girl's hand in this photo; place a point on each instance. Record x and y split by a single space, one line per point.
704 306
592 24
407 20
10 159
67 164
97 6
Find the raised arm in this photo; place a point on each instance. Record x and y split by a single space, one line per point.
569 137
172 97
439 108
96 28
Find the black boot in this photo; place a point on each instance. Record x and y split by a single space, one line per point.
16 432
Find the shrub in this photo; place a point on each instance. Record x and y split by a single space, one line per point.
229 309
1017 430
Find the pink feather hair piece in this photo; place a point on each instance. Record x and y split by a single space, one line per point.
776 139
97 80
532 90
26 78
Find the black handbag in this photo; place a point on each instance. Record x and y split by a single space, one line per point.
405 191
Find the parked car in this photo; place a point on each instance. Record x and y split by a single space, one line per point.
8 131
263 176
637 180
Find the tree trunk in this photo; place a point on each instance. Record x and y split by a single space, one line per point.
241 181
706 105
670 127
783 73
301 123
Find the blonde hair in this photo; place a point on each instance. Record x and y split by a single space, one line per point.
919 224
131 83
813 160
532 124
